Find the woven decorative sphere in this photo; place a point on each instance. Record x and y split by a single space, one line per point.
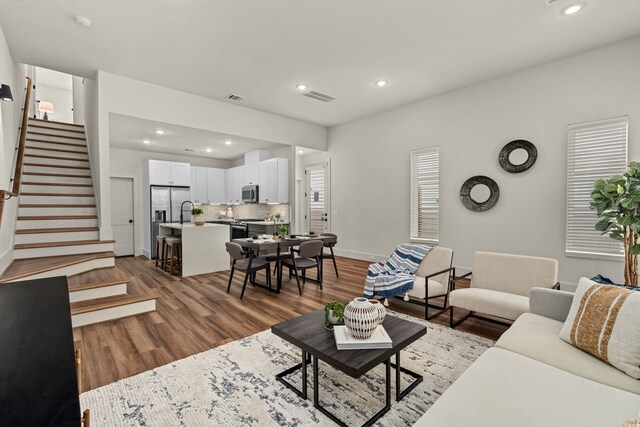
361 318
382 312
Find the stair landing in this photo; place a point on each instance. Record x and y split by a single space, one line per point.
57 265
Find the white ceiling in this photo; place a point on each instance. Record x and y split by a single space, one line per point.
128 132
261 49
53 78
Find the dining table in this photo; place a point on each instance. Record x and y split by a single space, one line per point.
266 244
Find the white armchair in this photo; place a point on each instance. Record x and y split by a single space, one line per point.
501 283
434 277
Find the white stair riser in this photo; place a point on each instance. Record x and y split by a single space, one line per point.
50 145
58 162
62 250
56 125
57 199
56 237
51 169
70 270
58 131
78 154
101 292
104 315
55 211
57 223
55 189
53 179
56 138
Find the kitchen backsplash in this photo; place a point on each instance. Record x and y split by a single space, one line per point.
246 211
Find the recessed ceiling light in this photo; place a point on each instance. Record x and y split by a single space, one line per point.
381 83
227 142
84 21
146 141
301 86
208 150
300 152
160 132
574 8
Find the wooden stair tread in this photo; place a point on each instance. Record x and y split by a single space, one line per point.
57 166
27 267
56 184
75 287
54 135
107 302
42 156
71 144
59 150
57 244
54 217
53 121
55 205
100 275
57 194
55 230
55 128
64 175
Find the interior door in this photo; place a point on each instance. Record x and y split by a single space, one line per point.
317 198
122 215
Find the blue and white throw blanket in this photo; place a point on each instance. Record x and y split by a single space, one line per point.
396 276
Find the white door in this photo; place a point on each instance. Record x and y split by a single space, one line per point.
122 215
317 198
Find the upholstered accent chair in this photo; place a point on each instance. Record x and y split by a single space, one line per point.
434 280
500 285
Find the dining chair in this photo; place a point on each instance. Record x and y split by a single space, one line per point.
309 253
330 240
249 266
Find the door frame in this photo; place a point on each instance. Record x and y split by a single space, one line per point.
137 209
327 191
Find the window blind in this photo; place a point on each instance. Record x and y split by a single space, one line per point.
595 150
425 195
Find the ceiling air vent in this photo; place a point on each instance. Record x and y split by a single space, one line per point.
189 149
232 97
318 96
550 2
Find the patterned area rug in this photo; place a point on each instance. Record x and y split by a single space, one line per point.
235 385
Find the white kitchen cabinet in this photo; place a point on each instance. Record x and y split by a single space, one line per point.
199 191
216 186
274 181
234 178
169 173
251 174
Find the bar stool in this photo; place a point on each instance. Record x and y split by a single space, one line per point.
160 249
174 252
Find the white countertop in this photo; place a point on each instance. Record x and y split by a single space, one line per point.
177 226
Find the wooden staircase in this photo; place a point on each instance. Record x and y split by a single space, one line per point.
57 227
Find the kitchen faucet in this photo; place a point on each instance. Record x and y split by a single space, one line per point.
182 210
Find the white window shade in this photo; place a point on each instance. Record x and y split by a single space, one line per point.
596 150
425 195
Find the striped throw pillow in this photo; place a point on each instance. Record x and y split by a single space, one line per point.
604 321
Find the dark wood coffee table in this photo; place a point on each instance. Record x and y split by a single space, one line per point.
317 343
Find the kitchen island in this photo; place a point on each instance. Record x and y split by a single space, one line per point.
203 249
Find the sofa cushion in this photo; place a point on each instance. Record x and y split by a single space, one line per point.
515 274
506 389
536 337
495 303
604 321
435 288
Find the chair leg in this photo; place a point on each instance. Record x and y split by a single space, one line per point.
171 260
426 309
297 281
233 269
244 285
163 262
304 275
157 252
268 276
333 258
451 317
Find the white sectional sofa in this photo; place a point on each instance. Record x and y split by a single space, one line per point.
533 378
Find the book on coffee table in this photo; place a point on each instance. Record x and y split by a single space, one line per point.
344 340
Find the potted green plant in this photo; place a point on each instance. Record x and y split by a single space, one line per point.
197 215
334 313
277 217
617 202
283 229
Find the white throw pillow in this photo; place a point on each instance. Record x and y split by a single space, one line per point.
604 321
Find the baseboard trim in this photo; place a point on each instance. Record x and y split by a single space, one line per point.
364 256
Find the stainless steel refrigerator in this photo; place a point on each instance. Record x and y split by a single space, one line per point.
165 207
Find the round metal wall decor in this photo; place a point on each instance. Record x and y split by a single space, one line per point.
473 205
503 157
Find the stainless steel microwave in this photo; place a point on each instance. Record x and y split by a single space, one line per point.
250 194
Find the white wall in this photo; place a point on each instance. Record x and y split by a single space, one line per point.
62 100
370 159
128 164
78 100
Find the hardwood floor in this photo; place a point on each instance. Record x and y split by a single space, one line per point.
196 314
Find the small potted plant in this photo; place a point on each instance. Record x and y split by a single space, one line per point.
197 215
283 229
333 313
277 217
